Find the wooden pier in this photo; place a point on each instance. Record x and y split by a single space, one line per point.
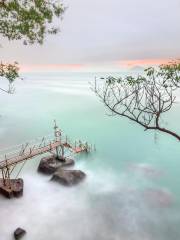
14 187
28 155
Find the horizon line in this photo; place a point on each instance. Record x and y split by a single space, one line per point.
80 67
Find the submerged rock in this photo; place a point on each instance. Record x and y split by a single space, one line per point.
158 197
68 177
19 233
146 169
50 164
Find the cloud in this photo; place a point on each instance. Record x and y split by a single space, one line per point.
112 66
51 67
142 62
97 32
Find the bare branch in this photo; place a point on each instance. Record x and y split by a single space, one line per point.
144 98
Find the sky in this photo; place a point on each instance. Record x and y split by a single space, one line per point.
105 35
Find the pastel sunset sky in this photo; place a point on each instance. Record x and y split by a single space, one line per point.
105 35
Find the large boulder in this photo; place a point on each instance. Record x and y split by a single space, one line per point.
68 177
50 164
12 188
19 233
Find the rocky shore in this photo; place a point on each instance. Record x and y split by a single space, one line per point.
58 169
49 165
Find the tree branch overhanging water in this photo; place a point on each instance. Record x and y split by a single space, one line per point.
143 99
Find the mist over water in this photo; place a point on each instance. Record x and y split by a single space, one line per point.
131 191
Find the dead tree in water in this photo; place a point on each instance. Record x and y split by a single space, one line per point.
142 99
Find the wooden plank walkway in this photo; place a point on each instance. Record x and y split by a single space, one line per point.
58 146
28 155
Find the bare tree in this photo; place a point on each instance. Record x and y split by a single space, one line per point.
144 98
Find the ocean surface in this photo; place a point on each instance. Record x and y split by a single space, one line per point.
131 191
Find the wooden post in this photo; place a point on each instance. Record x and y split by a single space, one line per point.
3 176
94 147
62 151
86 147
7 181
8 177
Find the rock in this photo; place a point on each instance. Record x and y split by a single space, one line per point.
68 177
12 189
146 169
50 164
19 233
47 165
158 197
68 162
18 185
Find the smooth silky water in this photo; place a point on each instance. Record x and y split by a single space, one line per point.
132 187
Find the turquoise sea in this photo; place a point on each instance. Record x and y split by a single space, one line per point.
132 187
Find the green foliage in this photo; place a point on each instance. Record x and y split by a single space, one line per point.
128 80
29 20
170 73
10 72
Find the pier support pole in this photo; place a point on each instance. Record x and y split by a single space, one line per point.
3 176
58 154
62 152
57 134
7 180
